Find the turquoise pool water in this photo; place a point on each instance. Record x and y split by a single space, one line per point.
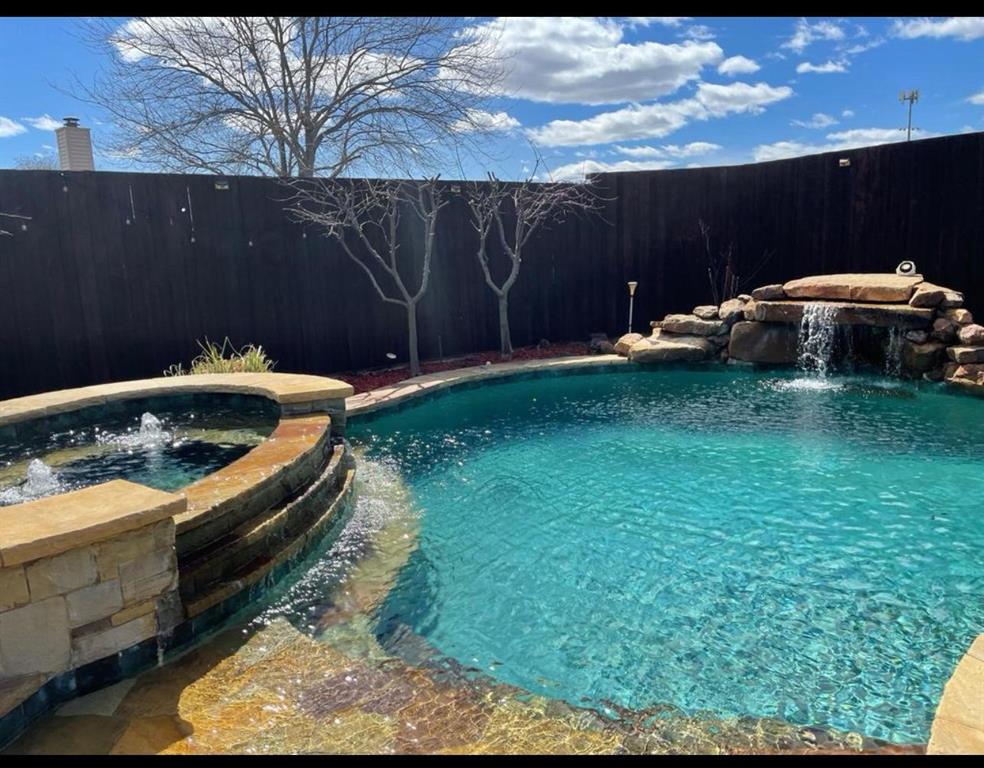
721 540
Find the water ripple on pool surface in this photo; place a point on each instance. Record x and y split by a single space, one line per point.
715 541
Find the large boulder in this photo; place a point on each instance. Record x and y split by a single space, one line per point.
763 342
706 312
693 326
931 295
920 358
732 310
854 287
944 330
966 354
768 293
624 344
659 348
958 316
847 313
972 335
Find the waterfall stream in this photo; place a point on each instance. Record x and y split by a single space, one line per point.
817 337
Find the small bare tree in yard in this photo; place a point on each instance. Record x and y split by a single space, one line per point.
725 272
515 211
290 95
363 217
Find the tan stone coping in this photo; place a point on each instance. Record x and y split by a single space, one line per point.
852 286
846 313
958 728
55 524
293 438
367 402
284 388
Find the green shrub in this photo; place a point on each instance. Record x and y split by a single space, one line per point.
225 359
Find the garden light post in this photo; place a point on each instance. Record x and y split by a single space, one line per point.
632 287
912 97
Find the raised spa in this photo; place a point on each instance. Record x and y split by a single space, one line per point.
162 442
736 542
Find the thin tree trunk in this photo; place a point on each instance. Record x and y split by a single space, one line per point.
505 340
412 335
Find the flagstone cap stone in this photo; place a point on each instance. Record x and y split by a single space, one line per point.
854 287
56 524
284 388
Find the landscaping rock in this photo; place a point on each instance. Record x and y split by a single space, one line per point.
966 354
928 295
721 340
763 342
662 349
971 372
917 337
749 311
944 330
952 299
768 293
919 358
693 326
854 287
959 316
847 313
934 375
745 297
706 312
732 310
972 335
600 344
624 344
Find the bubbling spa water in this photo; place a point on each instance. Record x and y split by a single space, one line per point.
182 440
712 540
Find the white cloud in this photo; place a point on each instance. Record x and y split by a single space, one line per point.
823 69
819 120
738 65
583 60
977 98
10 128
858 137
575 171
666 21
807 33
847 113
698 32
479 119
44 123
658 120
963 28
692 149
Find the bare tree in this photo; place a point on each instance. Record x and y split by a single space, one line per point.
725 272
36 162
364 217
516 210
290 96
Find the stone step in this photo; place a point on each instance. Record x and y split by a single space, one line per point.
664 347
258 536
854 287
848 313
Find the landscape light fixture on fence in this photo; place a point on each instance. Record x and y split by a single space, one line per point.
912 97
632 287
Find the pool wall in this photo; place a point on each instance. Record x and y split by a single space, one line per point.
100 583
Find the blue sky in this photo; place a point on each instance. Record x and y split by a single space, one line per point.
627 93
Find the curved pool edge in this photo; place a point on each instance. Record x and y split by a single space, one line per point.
96 583
958 722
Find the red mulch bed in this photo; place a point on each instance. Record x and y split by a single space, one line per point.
363 381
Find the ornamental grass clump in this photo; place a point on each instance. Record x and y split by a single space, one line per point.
225 359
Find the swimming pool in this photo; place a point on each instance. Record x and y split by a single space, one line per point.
728 541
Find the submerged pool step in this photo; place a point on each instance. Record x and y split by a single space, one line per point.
225 560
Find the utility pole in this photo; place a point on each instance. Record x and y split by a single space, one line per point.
912 97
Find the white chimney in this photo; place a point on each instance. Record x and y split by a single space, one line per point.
74 146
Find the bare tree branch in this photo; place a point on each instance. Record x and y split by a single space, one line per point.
290 95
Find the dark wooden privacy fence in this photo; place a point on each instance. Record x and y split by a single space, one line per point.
117 274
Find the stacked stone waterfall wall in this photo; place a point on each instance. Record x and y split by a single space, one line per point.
928 332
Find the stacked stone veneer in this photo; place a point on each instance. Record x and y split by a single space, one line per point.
83 576
941 340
